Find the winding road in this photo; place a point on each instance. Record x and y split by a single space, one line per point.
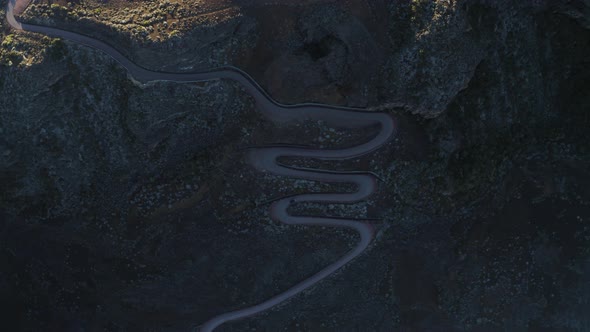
265 158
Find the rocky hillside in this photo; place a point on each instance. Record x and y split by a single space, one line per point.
130 207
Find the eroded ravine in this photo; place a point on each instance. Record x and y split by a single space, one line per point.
265 158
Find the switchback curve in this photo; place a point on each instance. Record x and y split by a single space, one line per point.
265 158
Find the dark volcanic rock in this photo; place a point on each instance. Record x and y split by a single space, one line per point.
336 60
127 207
